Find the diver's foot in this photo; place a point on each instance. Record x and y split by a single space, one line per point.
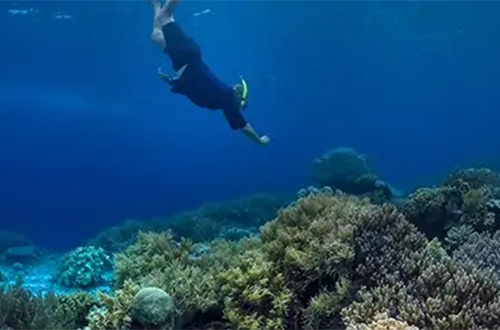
154 2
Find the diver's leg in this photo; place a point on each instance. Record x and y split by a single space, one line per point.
157 34
166 14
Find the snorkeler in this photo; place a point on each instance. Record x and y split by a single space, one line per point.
193 78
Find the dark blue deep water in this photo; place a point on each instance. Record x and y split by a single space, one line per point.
90 136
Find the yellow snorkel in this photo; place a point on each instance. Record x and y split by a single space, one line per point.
242 90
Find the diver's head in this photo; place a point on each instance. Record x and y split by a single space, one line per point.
241 93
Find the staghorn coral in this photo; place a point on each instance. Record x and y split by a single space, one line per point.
73 309
151 252
323 309
113 311
20 309
313 238
83 267
255 296
189 276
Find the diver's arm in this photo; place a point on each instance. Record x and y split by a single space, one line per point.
252 134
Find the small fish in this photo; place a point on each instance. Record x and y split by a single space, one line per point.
62 16
14 12
202 13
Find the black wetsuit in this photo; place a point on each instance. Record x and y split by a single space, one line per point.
198 83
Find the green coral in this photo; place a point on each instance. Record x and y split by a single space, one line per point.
255 296
324 240
323 309
188 276
83 267
313 239
114 311
20 309
73 309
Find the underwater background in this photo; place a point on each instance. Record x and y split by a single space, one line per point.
372 98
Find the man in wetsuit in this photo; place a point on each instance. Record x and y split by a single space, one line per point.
193 78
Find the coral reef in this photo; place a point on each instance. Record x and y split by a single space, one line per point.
346 170
482 250
382 322
190 279
113 312
255 296
443 295
230 220
20 309
118 238
83 267
328 260
467 197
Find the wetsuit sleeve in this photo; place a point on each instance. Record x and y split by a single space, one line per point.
234 116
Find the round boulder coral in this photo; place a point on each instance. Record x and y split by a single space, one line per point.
152 307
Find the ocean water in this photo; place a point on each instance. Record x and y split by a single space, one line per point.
90 136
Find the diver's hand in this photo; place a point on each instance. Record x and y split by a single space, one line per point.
264 140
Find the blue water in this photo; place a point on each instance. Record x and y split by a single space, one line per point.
90 136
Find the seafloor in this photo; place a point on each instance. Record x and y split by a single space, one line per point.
351 252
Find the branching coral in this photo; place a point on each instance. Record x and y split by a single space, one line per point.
83 267
324 239
482 250
323 310
382 322
190 278
313 238
72 310
444 295
20 309
114 311
255 296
